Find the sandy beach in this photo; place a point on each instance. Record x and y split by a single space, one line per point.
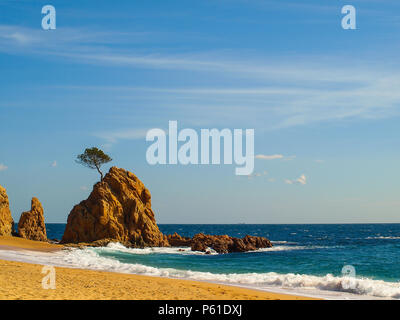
24 281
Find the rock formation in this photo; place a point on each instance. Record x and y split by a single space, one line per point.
221 244
31 223
6 220
118 209
176 240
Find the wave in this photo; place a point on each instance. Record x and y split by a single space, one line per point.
382 237
90 259
282 242
112 247
286 248
115 246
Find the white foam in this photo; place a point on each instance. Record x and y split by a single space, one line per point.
286 248
282 242
382 237
112 247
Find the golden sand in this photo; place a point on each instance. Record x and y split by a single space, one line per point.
24 281
15 243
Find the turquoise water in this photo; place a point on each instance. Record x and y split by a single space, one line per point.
372 249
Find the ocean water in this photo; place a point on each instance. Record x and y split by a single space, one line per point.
305 259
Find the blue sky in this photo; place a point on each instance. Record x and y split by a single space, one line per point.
324 99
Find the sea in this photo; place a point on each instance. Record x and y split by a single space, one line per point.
331 261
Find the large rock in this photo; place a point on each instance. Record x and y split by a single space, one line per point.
221 244
118 209
6 220
31 223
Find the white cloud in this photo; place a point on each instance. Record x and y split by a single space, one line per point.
301 180
84 188
269 157
3 167
54 164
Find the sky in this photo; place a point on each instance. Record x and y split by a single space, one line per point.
324 103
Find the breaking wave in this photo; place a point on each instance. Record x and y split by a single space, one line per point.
382 237
90 259
112 247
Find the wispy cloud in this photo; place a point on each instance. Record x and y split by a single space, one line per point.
305 90
3 167
301 180
54 164
257 174
274 157
269 157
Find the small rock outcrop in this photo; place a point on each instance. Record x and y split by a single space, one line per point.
6 220
221 244
31 223
175 240
118 209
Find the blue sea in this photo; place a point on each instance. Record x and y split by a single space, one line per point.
328 260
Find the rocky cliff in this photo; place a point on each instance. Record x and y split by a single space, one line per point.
118 209
6 221
31 223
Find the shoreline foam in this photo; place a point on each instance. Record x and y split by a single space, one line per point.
325 287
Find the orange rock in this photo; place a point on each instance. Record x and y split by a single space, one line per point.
221 244
118 208
176 240
6 220
31 223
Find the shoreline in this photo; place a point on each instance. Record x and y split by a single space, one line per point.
22 280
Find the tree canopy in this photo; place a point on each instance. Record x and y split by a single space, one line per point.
93 158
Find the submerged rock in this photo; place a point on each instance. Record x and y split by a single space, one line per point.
31 223
6 220
118 209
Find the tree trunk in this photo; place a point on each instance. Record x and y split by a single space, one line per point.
101 173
